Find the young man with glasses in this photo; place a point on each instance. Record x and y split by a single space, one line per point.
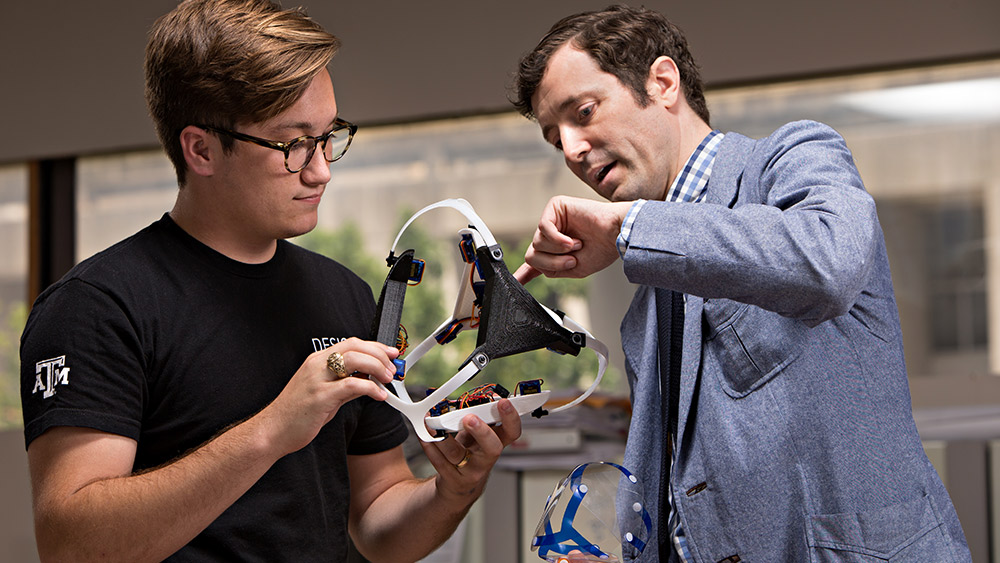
175 407
771 417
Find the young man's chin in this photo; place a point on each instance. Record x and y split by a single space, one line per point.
303 227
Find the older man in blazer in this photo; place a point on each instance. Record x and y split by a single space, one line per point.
771 412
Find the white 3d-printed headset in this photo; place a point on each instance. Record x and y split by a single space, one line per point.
511 321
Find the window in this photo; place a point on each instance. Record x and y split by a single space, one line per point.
13 287
118 195
956 277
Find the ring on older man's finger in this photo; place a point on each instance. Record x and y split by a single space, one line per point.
335 363
465 459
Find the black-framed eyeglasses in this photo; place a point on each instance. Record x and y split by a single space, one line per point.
298 152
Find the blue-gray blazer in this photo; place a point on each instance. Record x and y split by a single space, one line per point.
796 434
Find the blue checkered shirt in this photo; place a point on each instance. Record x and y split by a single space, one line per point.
688 186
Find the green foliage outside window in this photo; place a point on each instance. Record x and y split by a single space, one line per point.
13 317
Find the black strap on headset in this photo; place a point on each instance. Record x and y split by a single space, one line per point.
389 311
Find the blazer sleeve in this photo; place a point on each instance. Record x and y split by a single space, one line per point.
798 236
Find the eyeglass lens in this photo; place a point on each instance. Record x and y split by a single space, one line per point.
301 152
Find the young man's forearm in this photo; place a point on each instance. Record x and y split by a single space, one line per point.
150 515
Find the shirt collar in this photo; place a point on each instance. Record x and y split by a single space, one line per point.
690 184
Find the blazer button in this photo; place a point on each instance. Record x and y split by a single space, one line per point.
697 489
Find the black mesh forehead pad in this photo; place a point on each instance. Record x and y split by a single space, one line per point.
512 320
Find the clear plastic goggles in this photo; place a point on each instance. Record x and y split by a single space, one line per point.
596 513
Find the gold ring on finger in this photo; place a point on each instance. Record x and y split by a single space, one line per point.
335 363
465 459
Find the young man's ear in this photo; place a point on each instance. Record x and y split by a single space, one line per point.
201 150
664 81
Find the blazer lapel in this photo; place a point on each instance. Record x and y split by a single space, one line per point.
691 360
727 170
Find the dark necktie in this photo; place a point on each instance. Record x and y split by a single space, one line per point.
670 324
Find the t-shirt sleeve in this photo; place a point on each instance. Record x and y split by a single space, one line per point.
380 427
81 364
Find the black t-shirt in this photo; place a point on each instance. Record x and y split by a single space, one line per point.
163 340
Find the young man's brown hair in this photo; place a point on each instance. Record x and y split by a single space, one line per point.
223 62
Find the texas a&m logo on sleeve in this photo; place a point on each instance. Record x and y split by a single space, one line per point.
48 374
